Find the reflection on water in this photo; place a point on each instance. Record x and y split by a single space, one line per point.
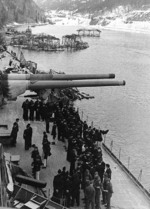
125 111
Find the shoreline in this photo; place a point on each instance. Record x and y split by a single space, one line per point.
140 31
135 27
116 25
121 27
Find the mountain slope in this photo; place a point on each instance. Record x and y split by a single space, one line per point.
91 5
20 11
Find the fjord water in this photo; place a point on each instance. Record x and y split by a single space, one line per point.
124 110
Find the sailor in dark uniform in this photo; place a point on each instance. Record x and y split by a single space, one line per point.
46 151
25 107
57 187
30 134
54 132
72 161
76 182
67 191
37 106
27 135
34 152
108 170
37 163
56 181
32 109
109 192
47 120
43 111
14 133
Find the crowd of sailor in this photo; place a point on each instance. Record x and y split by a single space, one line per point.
88 172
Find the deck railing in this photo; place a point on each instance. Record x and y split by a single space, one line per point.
111 146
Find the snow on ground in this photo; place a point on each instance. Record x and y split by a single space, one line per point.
71 21
117 24
110 21
113 22
136 26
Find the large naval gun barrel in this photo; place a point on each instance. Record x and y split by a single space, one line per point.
65 84
41 77
15 88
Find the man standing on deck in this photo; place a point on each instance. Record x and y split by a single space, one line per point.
30 134
72 161
109 191
14 134
46 151
108 171
32 109
89 196
25 107
37 107
37 163
27 137
76 182
98 187
47 120
53 133
104 183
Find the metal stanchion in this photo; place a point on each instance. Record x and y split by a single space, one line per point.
128 162
140 175
119 153
87 119
92 124
48 193
111 145
104 135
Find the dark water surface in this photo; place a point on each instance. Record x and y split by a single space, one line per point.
125 111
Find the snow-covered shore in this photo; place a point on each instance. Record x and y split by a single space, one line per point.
117 24
110 21
135 27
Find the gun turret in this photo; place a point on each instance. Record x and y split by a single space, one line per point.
13 85
56 76
14 88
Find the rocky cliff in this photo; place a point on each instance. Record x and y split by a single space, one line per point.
20 11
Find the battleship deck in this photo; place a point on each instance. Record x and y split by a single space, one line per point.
126 194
